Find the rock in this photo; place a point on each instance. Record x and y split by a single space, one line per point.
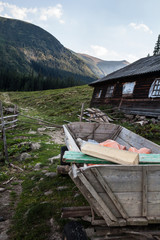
76 195
61 188
37 166
44 171
32 132
24 156
48 193
129 116
2 190
55 157
153 120
41 129
142 122
51 174
35 146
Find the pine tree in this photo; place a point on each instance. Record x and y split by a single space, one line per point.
157 47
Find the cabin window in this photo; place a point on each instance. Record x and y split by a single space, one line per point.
98 93
109 92
128 88
154 89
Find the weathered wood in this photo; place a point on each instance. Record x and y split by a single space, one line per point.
82 109
10 116
76 211
149 158
70 142
15 167
4 134
144 191
10 122
105 212
134 140
110 193
79 157
137 221
63 169
111 154
40 120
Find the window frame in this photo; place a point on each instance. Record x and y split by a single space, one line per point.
110 91
154 91
98 93
130 92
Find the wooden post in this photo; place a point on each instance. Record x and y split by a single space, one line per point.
3 134
82 109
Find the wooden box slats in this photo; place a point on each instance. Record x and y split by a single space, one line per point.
131 193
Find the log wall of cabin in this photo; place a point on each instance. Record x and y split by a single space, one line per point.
137 103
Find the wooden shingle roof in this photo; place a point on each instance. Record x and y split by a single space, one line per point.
142 66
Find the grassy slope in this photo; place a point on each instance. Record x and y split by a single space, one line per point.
35 209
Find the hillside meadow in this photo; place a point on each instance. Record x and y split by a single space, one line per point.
37 207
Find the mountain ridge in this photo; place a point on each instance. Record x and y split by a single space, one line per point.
102 67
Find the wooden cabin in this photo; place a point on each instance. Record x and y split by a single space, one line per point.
135 89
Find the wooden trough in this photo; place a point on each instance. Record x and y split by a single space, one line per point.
118 195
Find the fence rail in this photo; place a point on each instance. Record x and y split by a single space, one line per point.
14 119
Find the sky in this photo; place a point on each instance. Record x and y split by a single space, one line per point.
106 29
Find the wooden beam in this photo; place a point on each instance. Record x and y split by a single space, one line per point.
144 191
110 193
111 154
101 206
70 142
76 211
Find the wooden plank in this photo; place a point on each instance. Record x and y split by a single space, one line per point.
11 116
144 191
110 193
137 141
70 142
79 157
103 209
10 122
153 220
137 221
111 154
149 158
76 211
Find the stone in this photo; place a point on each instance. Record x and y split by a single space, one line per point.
2 189
51 174
32 132
61 188
48 193
35 146
37 166
153 120
129 116
24 156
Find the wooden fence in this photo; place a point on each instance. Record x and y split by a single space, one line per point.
7 122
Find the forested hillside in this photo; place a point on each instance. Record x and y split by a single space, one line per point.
33 59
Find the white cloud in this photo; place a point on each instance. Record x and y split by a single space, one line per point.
109 54
99 51
141 26
50 12
22 13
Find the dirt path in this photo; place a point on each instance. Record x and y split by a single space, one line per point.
7 205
